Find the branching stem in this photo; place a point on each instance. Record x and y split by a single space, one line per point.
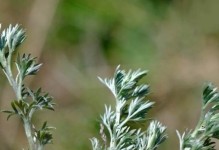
23 106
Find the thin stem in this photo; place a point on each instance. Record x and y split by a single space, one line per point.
181 144
112 144
19 86
118 113
10 78
9 75
28 131
199 123
112 138
40 147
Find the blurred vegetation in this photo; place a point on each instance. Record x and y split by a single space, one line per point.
176 40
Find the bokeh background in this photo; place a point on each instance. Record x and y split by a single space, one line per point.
78 40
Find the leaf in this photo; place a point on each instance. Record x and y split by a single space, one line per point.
44 136
14 107
210 94
7 111
15 36
119 77
27 65
9 116
215 108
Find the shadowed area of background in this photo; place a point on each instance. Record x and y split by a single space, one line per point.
176 40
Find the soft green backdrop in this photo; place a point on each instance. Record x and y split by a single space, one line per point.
78 40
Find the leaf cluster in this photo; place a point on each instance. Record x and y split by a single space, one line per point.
208 127
32 101
131 106
44 135
27 65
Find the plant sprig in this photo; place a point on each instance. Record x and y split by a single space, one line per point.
130 106
27 101
208 126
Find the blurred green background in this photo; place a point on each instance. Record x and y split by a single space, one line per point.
78 40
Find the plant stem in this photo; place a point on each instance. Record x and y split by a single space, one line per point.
17 89
199 123
117 114
28 131
40 147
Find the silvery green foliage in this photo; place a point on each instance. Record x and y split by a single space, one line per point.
27 101
130 106
208 126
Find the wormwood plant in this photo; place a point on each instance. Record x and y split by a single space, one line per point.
131 106
116 131
208 126
27 101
